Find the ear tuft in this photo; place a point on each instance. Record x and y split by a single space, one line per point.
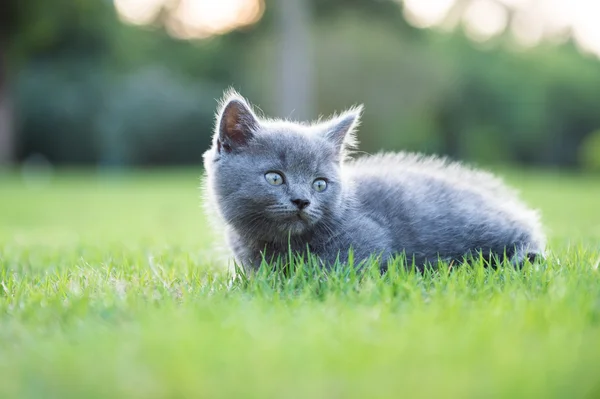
236 123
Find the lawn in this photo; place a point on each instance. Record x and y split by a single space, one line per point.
113 286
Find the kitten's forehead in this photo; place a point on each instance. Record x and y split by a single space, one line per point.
294 147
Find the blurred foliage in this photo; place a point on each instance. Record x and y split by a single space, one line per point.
590 152
90 89
47 29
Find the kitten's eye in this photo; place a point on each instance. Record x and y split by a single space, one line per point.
319 185
274 179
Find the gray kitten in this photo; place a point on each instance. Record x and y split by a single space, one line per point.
279 185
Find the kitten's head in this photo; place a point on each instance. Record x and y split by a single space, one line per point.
274 178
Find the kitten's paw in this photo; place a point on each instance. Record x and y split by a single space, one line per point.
522 257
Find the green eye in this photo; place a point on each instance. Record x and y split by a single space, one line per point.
319 185
274 179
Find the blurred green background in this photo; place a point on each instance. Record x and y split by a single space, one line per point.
131 83
113 284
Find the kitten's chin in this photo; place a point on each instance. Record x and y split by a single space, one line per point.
294 227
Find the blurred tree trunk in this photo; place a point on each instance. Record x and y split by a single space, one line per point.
294 89
8 20
6 133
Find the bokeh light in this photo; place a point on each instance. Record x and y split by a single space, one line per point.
485 19
426 13
193 19
529 21
139 12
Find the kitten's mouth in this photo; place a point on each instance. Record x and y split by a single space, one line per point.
302 216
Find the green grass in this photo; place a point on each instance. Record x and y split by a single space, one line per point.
112 287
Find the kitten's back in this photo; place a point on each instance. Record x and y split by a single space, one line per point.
434 205
399 166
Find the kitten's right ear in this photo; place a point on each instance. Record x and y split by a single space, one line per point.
236 123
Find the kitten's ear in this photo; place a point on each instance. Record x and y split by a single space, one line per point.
340 130
236 123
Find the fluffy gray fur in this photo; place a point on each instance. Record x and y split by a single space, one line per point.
425 207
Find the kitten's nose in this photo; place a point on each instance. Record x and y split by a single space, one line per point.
301 203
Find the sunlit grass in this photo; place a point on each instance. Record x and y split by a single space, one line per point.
112 287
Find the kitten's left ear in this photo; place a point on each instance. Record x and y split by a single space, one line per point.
341 129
